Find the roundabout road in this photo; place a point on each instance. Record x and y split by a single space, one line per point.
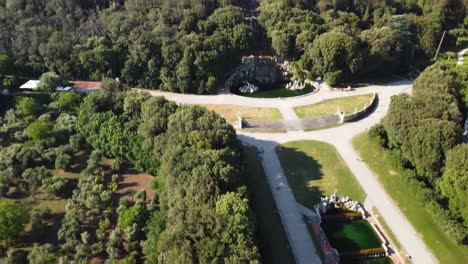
340 137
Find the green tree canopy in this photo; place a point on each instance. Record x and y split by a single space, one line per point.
6 64
13 217
429 140
50 81
333 51
28 106
385 46
38 130
454 184
136 214
68 101
239 226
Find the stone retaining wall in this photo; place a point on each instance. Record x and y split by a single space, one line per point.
291 125
368 108
263 69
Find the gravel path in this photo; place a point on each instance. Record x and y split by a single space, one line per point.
287 111
296 230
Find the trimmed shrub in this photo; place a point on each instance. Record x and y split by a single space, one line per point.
378 134
28 106
453 228
54 185
63 161
38 130
333 78
76 141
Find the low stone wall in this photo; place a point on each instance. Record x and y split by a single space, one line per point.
291 125
307 123
266 125
320 121
364 112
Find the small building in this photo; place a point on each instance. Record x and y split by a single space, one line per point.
85 86
79 86
31 85
63 89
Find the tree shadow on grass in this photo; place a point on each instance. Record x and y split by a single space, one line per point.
302 172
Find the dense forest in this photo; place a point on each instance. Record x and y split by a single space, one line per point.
199 211
422 135
182 46
349 39
190 46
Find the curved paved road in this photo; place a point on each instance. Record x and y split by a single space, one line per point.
283 105
461 54
340 137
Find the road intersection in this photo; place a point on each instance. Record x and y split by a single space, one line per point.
340 137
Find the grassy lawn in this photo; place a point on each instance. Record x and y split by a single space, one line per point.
273 242
441 246
346 104
280 91
315 169
229 112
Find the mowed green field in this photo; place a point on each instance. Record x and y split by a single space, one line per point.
440 245
315 169
229 112
330 106
273 241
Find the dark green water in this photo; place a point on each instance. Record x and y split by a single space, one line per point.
351 236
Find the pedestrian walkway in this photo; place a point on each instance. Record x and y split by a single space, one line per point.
296 230
287 111
309 213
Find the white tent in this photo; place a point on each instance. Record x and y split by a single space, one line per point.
31 84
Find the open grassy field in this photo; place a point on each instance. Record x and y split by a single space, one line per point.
346 104
273 242
229 112
441 246
315 169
